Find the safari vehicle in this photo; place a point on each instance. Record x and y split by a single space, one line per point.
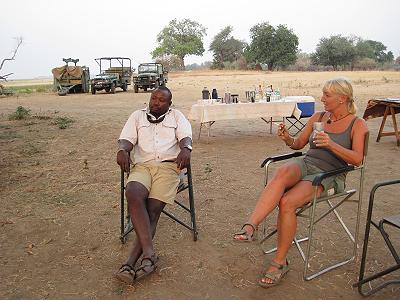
71 79
112 76
149 76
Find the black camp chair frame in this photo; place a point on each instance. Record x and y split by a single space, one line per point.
313 218
296 124
186 183
393 221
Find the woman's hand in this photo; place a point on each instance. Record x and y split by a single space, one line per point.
283 133
322 140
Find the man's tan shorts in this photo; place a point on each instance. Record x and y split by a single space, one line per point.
160 179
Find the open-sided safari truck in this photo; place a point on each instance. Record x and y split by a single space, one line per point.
71 79
114 72
150 76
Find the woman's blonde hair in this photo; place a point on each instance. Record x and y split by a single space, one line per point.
342 86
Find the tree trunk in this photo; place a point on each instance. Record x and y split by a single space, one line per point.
182 62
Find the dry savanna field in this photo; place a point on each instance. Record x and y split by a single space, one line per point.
59 196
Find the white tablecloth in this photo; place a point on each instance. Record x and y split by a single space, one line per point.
299 98
215 112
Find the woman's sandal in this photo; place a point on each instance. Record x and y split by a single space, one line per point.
147 266
275 276
126 274
243 235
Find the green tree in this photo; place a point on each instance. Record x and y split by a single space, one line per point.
334 51
379 51
364 49
374 50
225 48
180 38
170 62
270 46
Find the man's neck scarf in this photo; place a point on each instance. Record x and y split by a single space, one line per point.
153 119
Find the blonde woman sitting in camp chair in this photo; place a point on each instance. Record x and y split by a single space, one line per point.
341 143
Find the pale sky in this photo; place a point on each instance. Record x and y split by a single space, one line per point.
87 29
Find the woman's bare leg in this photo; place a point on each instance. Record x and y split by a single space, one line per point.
293 199
285 177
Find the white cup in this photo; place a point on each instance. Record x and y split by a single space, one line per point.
318 127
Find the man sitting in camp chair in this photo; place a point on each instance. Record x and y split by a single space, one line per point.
161 138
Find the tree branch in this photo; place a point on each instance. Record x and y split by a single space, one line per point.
4 77
19 42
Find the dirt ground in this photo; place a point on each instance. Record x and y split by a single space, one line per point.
59 196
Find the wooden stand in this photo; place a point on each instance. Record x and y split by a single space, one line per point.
382 108
389 109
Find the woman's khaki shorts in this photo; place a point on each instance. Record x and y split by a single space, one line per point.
160 179
334 184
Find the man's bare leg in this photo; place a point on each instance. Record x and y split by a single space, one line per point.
154 209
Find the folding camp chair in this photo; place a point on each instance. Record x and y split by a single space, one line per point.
307 110
184 184
327 197
392 221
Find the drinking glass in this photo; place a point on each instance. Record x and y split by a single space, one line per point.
318 127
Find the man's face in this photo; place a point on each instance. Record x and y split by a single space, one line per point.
159 103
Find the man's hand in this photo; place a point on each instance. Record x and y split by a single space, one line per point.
183 159
124 160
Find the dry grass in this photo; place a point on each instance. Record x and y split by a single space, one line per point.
59 190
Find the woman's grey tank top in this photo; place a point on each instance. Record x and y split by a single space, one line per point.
325 159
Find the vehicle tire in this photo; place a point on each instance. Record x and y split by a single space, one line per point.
93 89
107 89
113 88
145 88
136 88
125 87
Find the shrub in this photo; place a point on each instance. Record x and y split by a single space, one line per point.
29 89
63 122
365 64
20 113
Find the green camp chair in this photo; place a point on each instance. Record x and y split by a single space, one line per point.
185 184
389 221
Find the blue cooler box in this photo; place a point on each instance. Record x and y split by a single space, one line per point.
307 109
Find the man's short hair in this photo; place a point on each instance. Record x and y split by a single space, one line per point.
164 89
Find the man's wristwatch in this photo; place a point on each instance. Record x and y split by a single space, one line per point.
189 147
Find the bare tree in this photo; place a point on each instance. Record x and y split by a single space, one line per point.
14 53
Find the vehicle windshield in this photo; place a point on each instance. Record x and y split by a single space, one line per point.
147 68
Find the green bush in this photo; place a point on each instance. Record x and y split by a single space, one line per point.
63 122
29 89
20 113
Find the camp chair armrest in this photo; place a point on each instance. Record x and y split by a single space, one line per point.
372 194
280 157
321 176
384 183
